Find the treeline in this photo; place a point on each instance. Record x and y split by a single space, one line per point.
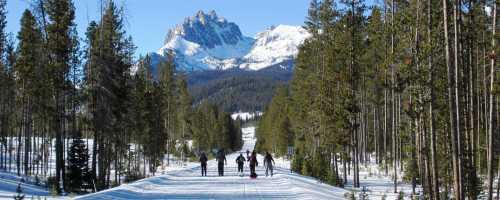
214 129
236 90
410 85
105 116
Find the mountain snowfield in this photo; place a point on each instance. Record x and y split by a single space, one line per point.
209 42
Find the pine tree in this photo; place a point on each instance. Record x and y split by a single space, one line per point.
492 123
184 113
168 102
60 46
5 83
108 88
78 176
3 35
27 68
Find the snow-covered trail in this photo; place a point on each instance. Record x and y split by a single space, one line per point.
188 184
9 183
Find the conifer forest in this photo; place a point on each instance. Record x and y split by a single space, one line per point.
409 86
73 99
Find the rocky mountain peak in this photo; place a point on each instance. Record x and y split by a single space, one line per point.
207 41
206 29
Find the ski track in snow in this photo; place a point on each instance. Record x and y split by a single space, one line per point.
9 182
185 182
188 184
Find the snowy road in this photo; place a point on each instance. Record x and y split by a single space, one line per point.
188 184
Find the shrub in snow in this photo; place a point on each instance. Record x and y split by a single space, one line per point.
297 162
53 191
332 178
363 195
401 195
132 176
51 183
19 191
411 171
37 180
350 195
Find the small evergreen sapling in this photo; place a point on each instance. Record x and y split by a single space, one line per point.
19 191
78 170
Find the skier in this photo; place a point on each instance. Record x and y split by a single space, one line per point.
240 160
203 161
221 160
268 163
253 164
248 154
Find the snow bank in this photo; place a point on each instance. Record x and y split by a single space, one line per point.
245 115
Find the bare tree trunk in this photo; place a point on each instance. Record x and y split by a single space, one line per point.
498 181
393 101
491 121
375 133
434 163
344 168
452 106
456 96
385 131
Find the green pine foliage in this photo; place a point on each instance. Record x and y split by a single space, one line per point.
78 177
214 129
373 84
273 133
315 114
377 84
236 90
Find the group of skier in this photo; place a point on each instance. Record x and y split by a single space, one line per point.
240 160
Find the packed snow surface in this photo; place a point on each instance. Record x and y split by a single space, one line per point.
182 180
9 183
188 184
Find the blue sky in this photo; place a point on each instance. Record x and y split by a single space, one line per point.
149 20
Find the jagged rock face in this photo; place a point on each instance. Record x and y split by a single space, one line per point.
207 42
207 30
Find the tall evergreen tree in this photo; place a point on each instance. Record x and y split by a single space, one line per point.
60 46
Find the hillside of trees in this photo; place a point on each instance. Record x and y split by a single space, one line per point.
237 90
411 85
82 100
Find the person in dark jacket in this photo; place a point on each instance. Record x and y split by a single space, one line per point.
221 160
240 160
268 163
203 161
253 164
248 154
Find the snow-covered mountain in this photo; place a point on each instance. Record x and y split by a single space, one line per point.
206 42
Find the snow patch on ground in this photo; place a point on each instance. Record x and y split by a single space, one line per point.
9 183
182 180
245 115
187 183
377 184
